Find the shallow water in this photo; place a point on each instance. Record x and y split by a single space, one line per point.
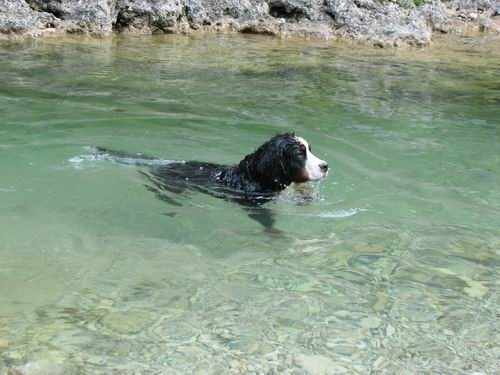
392 268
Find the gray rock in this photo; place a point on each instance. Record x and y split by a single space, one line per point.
17 18
148 16
92 16
384 23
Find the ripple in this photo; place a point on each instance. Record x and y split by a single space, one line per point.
341 213
96 156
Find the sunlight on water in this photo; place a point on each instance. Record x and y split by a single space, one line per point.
389 265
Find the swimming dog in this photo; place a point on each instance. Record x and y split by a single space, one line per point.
258 178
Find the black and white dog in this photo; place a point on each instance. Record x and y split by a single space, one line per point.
257 179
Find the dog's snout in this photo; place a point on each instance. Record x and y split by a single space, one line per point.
323 166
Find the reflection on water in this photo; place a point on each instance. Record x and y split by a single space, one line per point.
392 266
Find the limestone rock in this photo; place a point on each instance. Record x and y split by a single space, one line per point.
384 23
17 18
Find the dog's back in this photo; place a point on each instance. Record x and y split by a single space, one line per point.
179 176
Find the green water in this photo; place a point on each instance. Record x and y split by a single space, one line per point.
393 268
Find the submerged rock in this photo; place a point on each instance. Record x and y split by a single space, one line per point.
318 364
41 367
384 23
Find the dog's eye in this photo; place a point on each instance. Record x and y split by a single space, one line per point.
303 149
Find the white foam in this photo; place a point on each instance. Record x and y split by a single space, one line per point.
97 156
90 157
337 214
341 213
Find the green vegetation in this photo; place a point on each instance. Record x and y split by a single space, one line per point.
418 2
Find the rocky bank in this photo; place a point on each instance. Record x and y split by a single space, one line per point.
384 23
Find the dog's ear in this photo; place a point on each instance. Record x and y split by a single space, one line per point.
270 163
267 165
287 150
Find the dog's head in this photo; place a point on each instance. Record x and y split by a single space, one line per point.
286 158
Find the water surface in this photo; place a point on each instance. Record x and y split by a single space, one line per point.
393 268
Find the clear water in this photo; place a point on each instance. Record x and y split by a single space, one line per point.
393 268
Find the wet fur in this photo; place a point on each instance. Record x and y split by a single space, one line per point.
255 180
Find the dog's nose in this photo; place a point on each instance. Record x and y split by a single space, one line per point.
323 166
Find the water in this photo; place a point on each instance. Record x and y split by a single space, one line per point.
392 268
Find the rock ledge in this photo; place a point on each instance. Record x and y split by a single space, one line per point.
384 23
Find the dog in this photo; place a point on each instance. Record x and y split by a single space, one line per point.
258 178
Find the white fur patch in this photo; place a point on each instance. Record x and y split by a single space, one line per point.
313 163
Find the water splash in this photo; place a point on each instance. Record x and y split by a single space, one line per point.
340 213
95 155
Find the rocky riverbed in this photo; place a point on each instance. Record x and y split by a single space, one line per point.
379 22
